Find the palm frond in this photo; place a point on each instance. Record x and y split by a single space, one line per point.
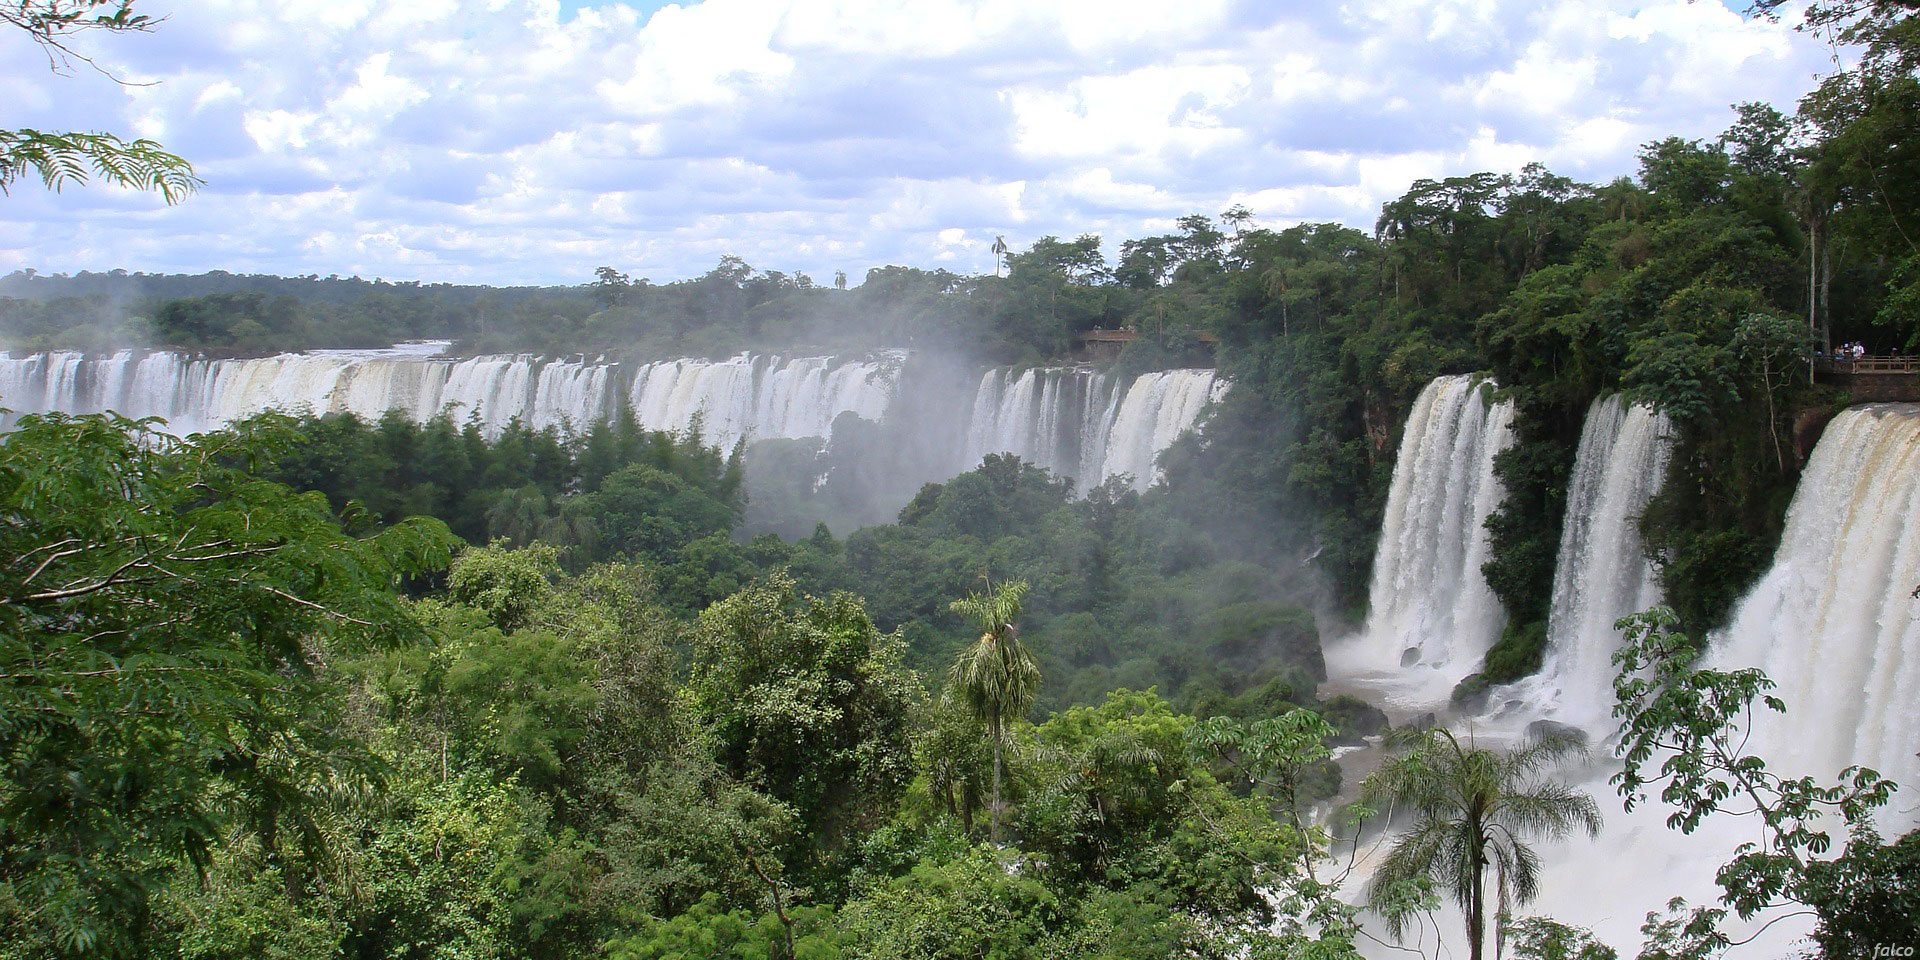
1473 810
995 677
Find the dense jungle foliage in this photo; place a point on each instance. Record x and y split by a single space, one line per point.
1126 591
227 735
323 687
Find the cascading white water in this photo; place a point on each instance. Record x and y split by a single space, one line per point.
1084 424
1074 421
757 397
745 395
1602 572
1158 407
200 394
1835 623
1433 616
1048 417
572 392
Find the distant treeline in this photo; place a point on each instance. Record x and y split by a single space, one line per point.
230 313
1056 290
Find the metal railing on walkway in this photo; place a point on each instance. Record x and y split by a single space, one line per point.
1865 365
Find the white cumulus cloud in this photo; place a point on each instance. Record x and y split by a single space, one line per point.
517 141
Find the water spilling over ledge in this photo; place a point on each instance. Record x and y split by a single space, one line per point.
1433 616
1602 572
1834 623
1080 422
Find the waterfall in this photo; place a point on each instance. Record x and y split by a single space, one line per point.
1433 616
1835 623
1081 423
1075 421
195 394
1158 407
670 394
1602 572
1046 416
742 396
757 397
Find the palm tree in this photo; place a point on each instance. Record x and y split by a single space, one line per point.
1473 809
995 677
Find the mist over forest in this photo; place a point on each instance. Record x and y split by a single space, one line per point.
1532 573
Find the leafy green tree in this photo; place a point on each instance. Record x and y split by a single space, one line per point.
709 930
805 700
1200 243
1277 756
1472 809
1694 723
518 516
955 761
519 699
1116 800
509 586
1145 263
1539 938
1860 171
995 677
434 870
684 828
164 618
970 906
612 615
648 511
1237 217
1104 785
241 907
243 322
610 287
1273 759
62 158
1078 260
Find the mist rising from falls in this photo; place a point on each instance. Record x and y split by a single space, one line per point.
1433 616
1602 572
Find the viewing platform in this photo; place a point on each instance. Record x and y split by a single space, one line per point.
1098 345
1872 379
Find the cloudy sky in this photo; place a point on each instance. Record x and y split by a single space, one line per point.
529 141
